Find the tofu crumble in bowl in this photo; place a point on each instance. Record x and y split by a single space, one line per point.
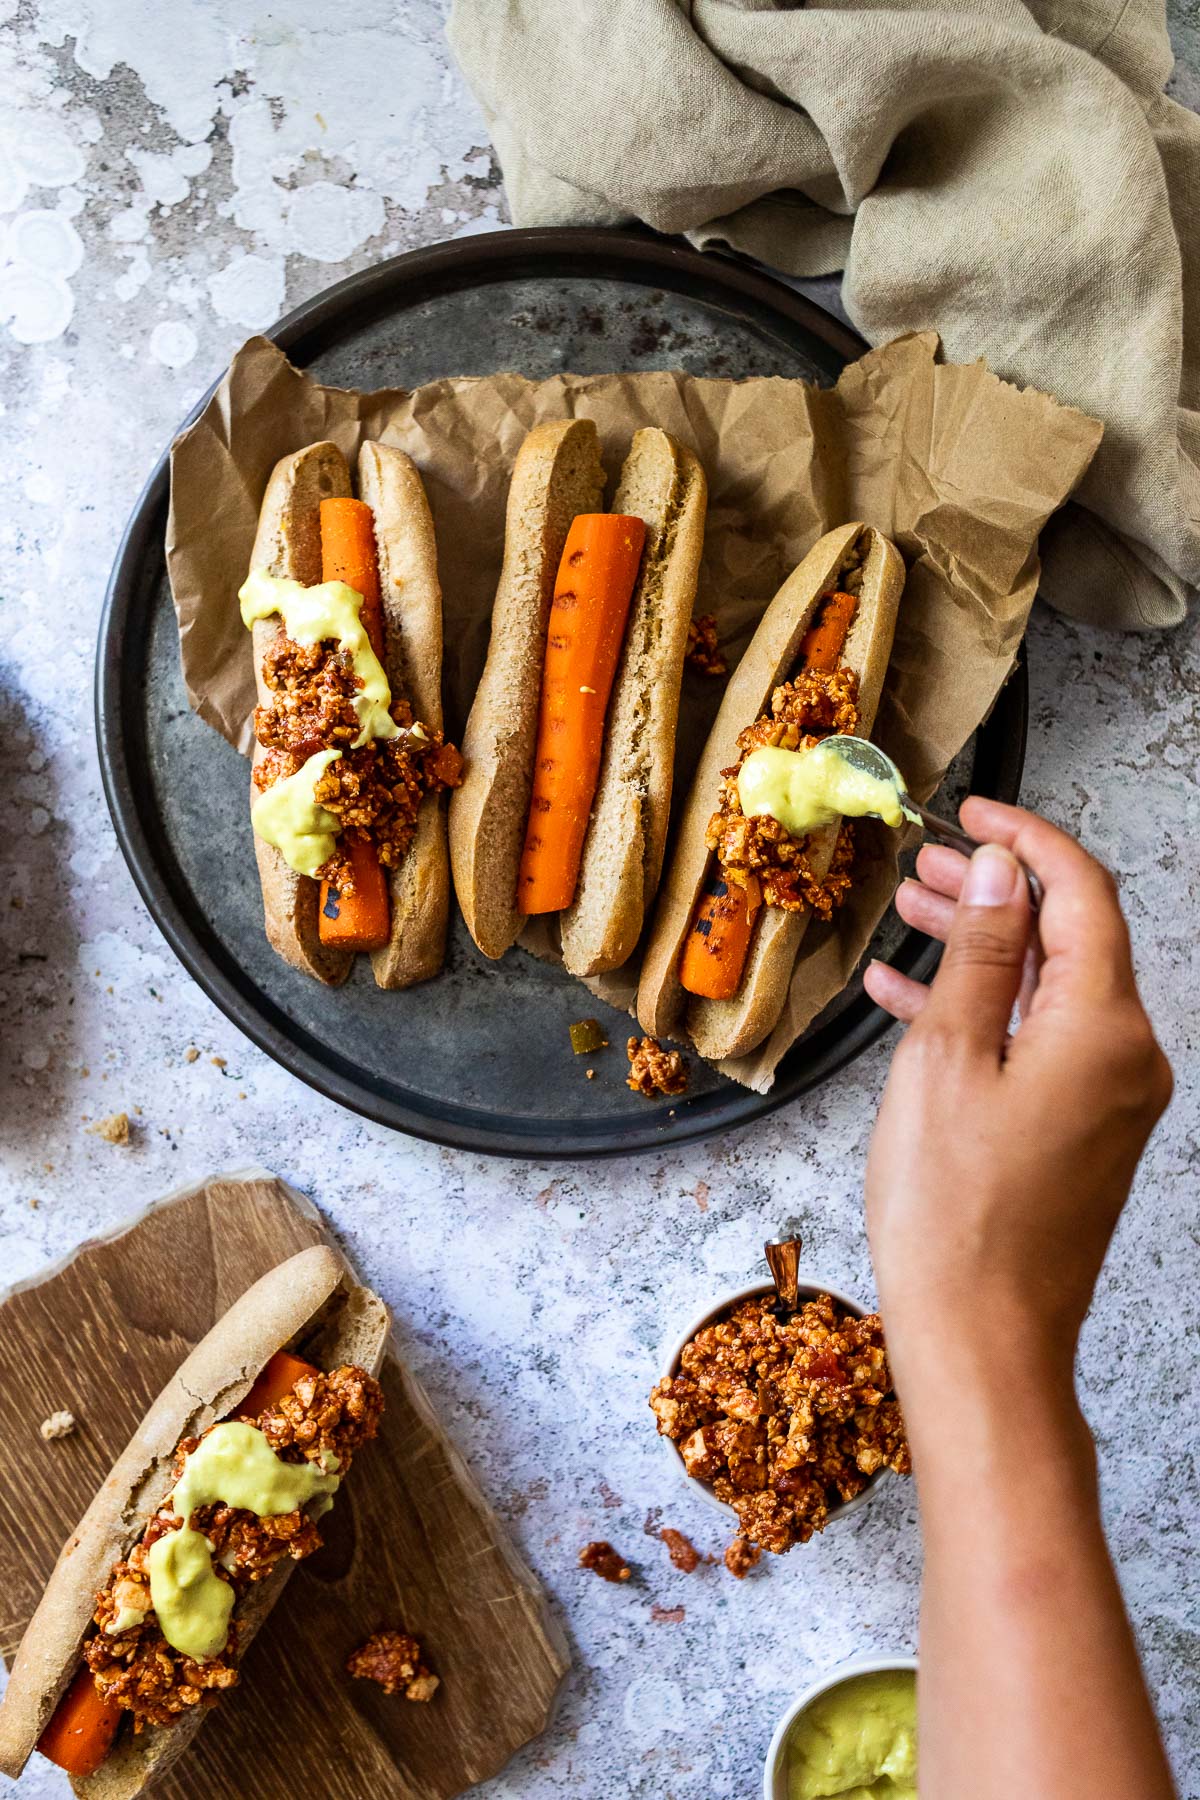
785 1425
851 1733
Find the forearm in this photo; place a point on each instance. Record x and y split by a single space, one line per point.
1030 1680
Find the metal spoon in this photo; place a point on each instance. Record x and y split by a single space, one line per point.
861 754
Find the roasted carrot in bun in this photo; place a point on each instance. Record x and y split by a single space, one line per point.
718 944
82 1727
358 915
595 583
570 744
193 1534
343 602
743 885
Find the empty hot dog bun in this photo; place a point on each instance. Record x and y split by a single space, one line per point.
288 545
730 1027
309 1306
558 475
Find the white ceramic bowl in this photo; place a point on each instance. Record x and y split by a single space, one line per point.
775 1767
808 1288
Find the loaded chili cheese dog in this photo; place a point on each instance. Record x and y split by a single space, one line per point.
346 613
742 886
570 743
190 1540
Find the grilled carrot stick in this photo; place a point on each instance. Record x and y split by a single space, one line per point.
719 942
714 955
361 920
592 593
82 1727
825 639
348 554
278 1378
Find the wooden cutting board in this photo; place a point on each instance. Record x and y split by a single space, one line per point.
412 1543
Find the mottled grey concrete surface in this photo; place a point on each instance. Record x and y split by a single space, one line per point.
170 179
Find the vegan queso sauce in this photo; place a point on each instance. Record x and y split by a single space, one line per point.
235 1464
805 789
857 1741
287 814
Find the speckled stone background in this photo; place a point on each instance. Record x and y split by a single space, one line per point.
170 179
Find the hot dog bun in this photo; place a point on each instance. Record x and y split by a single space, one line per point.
723 1028
558 474
662 483
310 1304
288 543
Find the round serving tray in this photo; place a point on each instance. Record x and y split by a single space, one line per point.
479 1058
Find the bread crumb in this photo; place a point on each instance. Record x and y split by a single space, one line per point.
191 1054
114 1129
58 1425
591 1074
34 1203
218 1062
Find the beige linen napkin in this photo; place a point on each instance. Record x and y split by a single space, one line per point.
1009 175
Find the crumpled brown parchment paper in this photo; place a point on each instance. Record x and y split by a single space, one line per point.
959 468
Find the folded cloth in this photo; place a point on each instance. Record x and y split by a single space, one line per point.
1010 175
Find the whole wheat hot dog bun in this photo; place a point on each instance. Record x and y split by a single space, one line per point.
310 1305
412 610
558 474
662 483
722 1028
288 543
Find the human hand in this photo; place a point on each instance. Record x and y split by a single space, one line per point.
999 1166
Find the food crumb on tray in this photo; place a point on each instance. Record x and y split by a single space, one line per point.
393 1659
604 1561
653 1070
587 1035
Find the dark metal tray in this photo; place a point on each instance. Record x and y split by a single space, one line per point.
480 1057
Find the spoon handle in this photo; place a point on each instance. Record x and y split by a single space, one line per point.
948 833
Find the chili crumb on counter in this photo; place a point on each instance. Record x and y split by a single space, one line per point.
681 1550
703 650
784 1418
740 1557
604 1561
132 1662
393 1659
653 1070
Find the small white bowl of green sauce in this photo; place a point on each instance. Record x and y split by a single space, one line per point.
855 1729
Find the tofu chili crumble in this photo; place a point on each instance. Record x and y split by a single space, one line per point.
783 1418
374 791
324 1420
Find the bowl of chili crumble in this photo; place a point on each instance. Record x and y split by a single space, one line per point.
785 1424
